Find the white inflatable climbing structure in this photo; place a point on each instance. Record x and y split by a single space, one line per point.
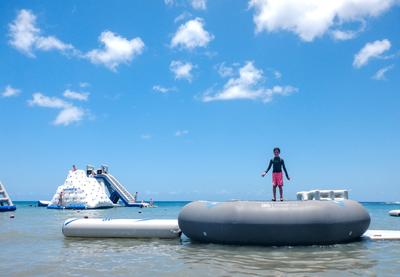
80 191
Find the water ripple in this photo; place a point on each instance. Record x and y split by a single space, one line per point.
33 245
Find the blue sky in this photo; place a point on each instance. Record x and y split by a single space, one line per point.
186 99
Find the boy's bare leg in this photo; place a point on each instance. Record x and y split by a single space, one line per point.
274 192
281 192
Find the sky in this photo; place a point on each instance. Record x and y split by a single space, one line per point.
185 99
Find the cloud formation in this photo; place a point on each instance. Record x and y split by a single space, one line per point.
199 4
247 85
169 2
181 70
310 19
343 35
69 115
371 50
181 133
381 73
41 100
9 91
182 16
224 70
162 89
116 50
74 95
277 74
191 35
84 84
68 112
26 37
196 4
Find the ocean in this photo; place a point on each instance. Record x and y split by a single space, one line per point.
32 244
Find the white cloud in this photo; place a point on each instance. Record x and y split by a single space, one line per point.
182 70
116 50
182 16
277 74
169 2
348 34
81 96
310 19
50 43
68 113
181 133
343 35
84 84
380 74
9 91
199 4
162 89
26 37
370 50
191 35
23 32
248 85
196 4
224 70
41 100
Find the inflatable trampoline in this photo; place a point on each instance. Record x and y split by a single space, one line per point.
274 223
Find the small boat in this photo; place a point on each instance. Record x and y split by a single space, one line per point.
43 203
394 212
121 228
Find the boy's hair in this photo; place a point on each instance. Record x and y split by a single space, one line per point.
277 149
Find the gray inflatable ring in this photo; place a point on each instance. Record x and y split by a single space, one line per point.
274 223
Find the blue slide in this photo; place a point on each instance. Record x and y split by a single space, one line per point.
117 190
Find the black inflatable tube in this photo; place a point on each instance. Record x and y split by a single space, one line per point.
274 223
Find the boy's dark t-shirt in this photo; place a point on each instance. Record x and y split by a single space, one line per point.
277 164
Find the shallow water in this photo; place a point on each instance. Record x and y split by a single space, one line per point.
32 245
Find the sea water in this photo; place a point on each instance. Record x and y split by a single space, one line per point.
32 244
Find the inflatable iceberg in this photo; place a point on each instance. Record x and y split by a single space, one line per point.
80 192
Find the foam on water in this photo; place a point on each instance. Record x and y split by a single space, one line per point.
32 245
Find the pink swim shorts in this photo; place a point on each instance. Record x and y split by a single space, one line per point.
277 179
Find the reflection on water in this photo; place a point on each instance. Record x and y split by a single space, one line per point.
183 257
275 260
33 245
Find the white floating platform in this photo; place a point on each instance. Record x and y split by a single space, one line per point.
43 203
394 213
121 228
382 235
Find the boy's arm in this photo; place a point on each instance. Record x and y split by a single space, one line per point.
284 169
269 166
266 171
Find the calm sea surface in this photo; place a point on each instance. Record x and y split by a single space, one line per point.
31 244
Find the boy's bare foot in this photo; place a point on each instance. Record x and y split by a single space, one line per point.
281 199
